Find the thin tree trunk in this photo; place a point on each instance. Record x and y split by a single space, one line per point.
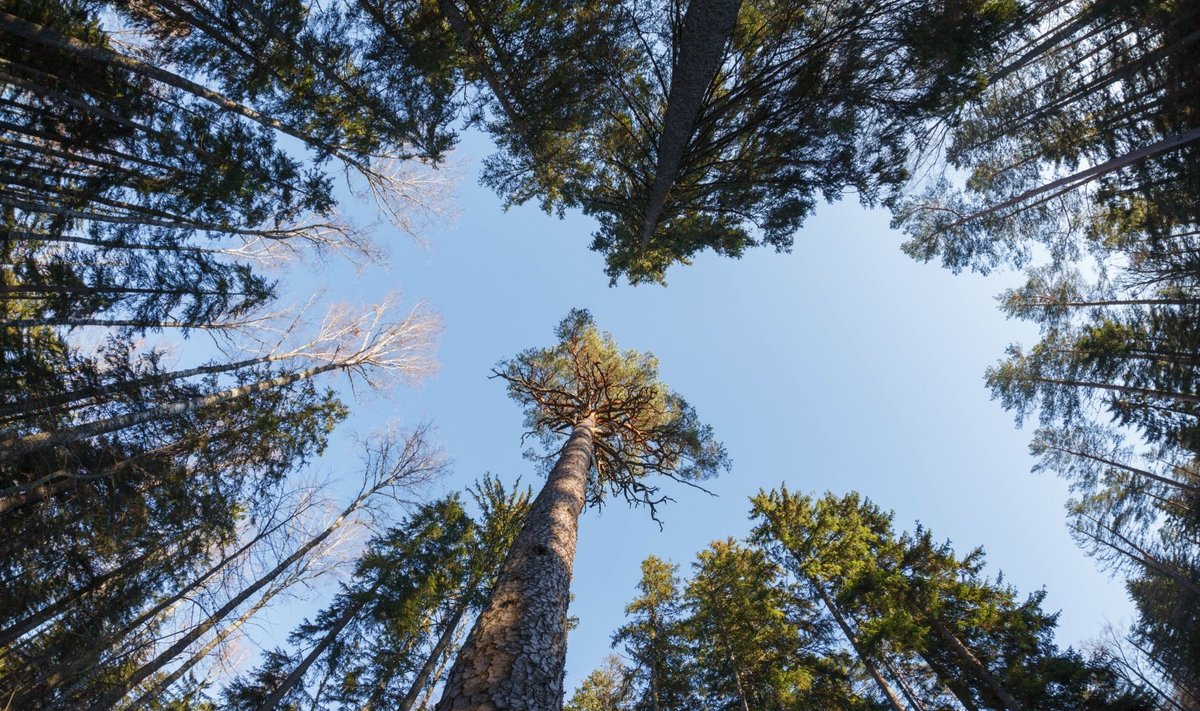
427 699
30 622
177 674
67 322
515 654
114 696
69 45
42 440
93 657
100 391
1140 555
707 27
292 679
1132 470
1079 178
435 657
1126 389
884 687
972 662
737 680
905 688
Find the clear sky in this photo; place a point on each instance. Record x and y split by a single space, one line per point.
841 366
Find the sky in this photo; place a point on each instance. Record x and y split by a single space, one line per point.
842 365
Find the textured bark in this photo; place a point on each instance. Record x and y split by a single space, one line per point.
884 687
514 657
972 662
707 27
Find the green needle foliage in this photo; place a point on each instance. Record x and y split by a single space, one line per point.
642 428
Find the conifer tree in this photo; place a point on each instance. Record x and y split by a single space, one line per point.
655 640
624 426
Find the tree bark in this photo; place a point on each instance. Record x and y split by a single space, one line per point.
514 657
707 28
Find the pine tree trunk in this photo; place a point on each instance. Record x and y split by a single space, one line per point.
884 687
707 27
513 658
972 662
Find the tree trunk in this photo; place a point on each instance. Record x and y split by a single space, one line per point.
1194 490
100 391
114 696
707 28
292 679
98 585
165 683
69 45
1086 175
737 680
427 699
43 440
513 658
435 656
884 687
905 688
91 659
972 662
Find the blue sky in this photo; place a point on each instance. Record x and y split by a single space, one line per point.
840 366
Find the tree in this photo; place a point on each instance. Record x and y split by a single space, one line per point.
605 689
909 596
624 425
655 640
756 647
717 124
390 465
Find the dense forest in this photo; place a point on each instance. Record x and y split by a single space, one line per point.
169 166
